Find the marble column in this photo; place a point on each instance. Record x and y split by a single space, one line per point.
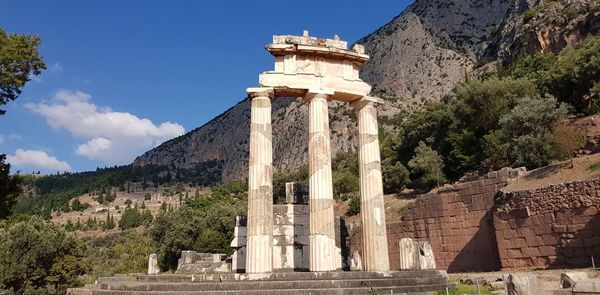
372 210
259 252
322 220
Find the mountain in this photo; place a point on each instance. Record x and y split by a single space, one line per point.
419 56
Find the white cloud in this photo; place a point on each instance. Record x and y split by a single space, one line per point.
113 137
56 68
36 159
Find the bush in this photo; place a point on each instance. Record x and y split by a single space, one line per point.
353 206
35 254
427 165
395 176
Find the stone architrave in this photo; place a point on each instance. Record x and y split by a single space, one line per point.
375 246
259 249
153 268
322 219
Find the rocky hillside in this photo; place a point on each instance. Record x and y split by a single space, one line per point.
419 56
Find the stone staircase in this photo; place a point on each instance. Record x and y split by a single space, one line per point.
314 283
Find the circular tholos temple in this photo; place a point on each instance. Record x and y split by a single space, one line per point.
319 70
296 248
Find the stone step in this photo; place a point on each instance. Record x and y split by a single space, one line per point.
262 285
399 290
295 276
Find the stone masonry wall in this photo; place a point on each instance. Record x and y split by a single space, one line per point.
551 227
456 220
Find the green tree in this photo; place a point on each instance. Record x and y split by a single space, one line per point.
567 139
10 187
395 176
131 218
482 103
174 232
34 253
210 241
19 59
528 129
427 166
353 206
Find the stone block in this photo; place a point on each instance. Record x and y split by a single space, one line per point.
587 287
416 255
426 257
570 279
153 268
521 284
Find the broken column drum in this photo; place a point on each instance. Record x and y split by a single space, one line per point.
320 70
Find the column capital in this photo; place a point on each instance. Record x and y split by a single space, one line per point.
318 93
365 101
260 91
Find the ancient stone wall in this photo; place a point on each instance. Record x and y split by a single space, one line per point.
551 227
456 220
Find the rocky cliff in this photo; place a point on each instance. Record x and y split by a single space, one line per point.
419 56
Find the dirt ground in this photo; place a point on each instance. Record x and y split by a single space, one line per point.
548 280
557 173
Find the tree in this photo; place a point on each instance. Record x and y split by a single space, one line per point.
567 139
34 253
395 176
19 59
10 187
427 165
528 129
131 218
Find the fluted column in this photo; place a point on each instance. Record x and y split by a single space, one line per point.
259 254
322 222
374 236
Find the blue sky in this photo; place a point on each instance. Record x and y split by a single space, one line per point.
124 76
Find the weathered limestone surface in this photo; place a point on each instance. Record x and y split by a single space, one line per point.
426 257
571 278
375 244
194 262
290 236
521 284
259 257
153 268
322 227
415 255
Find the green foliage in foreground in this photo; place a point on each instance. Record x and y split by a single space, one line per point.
203 224
124 252
38 257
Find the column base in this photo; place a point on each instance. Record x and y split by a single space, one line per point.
259 254
322 253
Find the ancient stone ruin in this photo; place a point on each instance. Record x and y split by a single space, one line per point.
290 235
320 70
301 235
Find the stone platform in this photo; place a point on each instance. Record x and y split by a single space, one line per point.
315 283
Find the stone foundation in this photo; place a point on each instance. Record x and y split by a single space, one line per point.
552 227
474 226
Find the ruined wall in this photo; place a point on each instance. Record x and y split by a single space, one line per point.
551 227
456 220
